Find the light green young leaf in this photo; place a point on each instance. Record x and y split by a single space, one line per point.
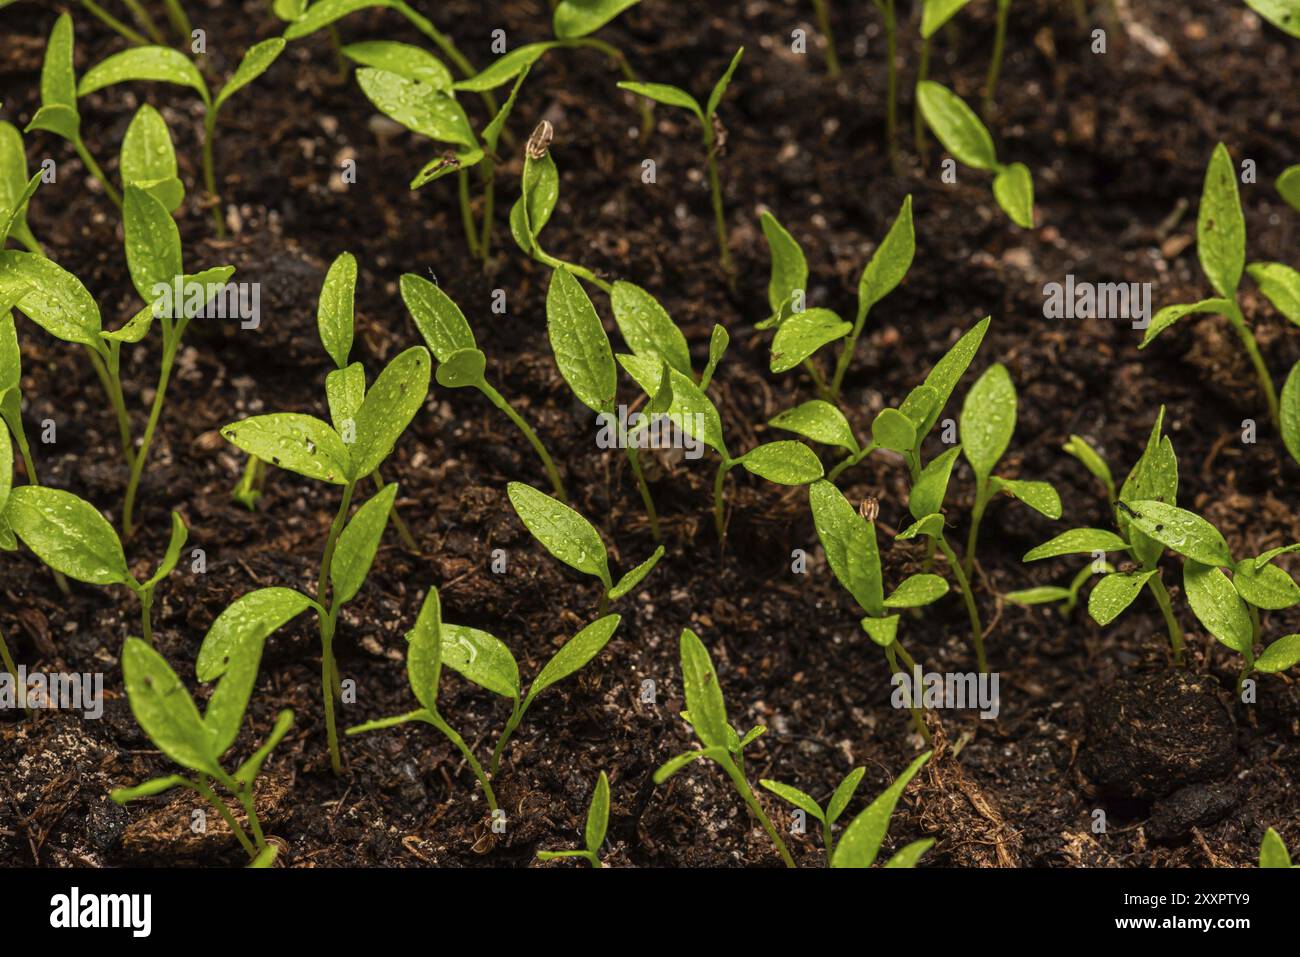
561 530
956 126
175 543
908 856
792 795
492 132
444 165
1040 496
299 443
480 658
1114 593
58 73
703 693
1281 285
931 486
598 812
789 276
55 299
935 13
1220 226
720 88
672 766
357 545
1288 186
68 534
164 709
15 186
1283 14
250 769
693 411
844 794
14 216
506 68
947 372
784 462
1289 412
663 93
578 339
1181 531
232 651
1042 595
148 158
883 631
345 390
539 192
647 328
988 419
890 262
1166 317
389 407
850 544
439 320
577 18
257 60
574 654
803 334
404 59
635 576
1217 605
421 108
1272 851
820 421
6 471
1154 476
334 310
1280 655
196 292
861 840
462 369
1265 586
150 64
1092 461
1078 541
1013 188
153 243
917 591
930 525
150 788
891 429
424 651
719 340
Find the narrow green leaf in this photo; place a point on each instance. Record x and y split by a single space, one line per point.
58 74
789 276
784 462
164 709
16 187
148 158
935 13
1289 412
1272 851
389 407
861 840
561 530
1013 188
1114 593
1288 186
68 534
1040 496
480 658
719 340
424 651
947 372
693 411
149 788
671 767
539 192
636 575
890 262
909 855
153 243
1220 226
345 390
256 61
250 769
150 64
322 13
175 543
578 339
506 68
1217 605
1280 655
820 421
598 813
917 591
1281 285
665 94
1092 461
440 321
299 443
574 654
55 299
850 544
956 126
404 59
577 18
931 486
647 328
1265 586
1167 316
792 795
421 108
844 794
358 543
1078 541
1042 595
703 694
988 419
720 88
1181 531
334 310
803 334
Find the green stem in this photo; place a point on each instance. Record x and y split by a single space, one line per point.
146 614
403 531
846 356
1167 609
828 839
918 121
110 378
891 655
719 215
823 14
466 213
201 786
747 795
437 721
179 21
489 207
10 667
95 171
582 272
498 400
246 492
328 620
719 515
515 717
891 91
209 169
113 23
171 343
634 459
143 18
976 516
13 417
995 65
968 595
1256 359
327 557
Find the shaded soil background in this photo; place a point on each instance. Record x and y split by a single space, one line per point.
1117 144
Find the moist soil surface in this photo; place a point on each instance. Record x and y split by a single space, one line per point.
1117 144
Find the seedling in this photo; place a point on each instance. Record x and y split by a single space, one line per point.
460 361
849 539
483 660
1154 476
707 716
935 14
714 137
597 824
7 541
230 656
69 535
16 190
573 540
1221 248
988 419
963 135
800 332
180 23
1273 852
995 62
1068 596
343 455
148 159
163 64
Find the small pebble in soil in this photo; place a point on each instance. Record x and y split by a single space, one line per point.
1197 805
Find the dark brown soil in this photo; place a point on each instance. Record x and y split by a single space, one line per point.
1117 144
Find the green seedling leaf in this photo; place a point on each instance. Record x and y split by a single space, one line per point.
843 794
598 813
1042 595
1265 586
250 769
1114 593
1220 226
561 530
298 443
404 59
480 658
150 64
574 654
647 328
850 544
694 412
1281 285
784 462
1288 186
891 429
988 419
424 651
55 299
1280 655
232 652
420 107
931 486
909 855
956 126
1040 496
539 192
164 709
935 13
1218 606
197 291
1167 316
947 372
918 405
257 60
578 339
16 187
334 310
388 409
820 421
883 631
446 164
1092 461
322 13
917 591
1289 412
149 788
14 215
345 390
789 277
803 334
671 767
1283 14
357 545
720 88
861 840
492 132
799 799
68 534
170 558
577 18
665 94
1272 851
440 321
890 262
636 575
1155 476
1180 530
703 694
1078 541
153 243
148 159
58 73
1013 188
462 369
719 340
506 68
